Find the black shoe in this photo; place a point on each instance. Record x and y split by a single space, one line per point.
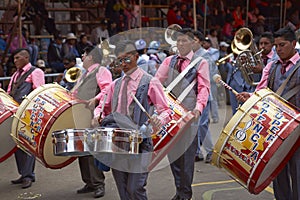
197 159
99 192
26 183
17 181
177 197
85 189
208 157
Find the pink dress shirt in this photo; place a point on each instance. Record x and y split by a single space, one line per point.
265 74
103 76
156 96
37 77
202 78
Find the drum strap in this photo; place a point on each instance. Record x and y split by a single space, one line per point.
186 91
182 74
292 92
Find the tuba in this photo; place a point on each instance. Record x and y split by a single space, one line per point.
170 36
73 74
248 54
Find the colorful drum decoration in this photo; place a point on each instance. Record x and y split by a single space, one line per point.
167 137
8 107
46 109
259 140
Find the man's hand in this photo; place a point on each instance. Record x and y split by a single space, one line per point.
243 96
257 69
197 113
96 122
155 121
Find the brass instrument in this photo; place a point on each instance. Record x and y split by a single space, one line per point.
107 51
170 36
73 74
248 54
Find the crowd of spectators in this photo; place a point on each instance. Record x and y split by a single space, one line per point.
223 18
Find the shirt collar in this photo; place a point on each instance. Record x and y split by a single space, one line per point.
270 54
134 74
26 67
92 67
189 56
293 59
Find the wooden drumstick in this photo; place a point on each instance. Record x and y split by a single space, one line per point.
217 78
140 105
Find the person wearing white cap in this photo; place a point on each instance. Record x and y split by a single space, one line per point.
70 45
143 59
156 57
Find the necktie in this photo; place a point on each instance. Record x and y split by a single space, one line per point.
18 75
284 66
180 61
265 60
124 95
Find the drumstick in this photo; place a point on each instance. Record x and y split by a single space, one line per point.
140 105
217 78
102 106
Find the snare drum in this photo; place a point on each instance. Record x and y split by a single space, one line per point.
117 140
8 107
46 109
259 140
73 142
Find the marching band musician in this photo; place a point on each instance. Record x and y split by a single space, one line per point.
91 83
183 167
149 91
284 73
22 82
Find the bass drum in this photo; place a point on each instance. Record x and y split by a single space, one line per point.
8 107
259 140
46 109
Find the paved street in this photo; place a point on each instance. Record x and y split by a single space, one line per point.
210 182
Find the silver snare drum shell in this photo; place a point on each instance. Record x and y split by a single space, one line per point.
117 140
73 142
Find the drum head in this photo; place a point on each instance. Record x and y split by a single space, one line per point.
8 147
46 109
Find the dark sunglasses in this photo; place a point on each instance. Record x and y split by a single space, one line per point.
126 60
66 63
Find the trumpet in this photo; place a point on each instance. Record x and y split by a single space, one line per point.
73 74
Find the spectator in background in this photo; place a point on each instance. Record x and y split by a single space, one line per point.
237 17
69 47
100 33
83 43
143 58
172 17
2 41
55 55
227 30
213 36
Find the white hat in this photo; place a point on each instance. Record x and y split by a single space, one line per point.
153 47
40 63
140 44
224 44
71 36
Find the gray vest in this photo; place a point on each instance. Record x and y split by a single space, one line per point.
21 88
190 100
136 114
89 87
276 79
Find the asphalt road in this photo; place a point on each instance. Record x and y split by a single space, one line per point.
210 182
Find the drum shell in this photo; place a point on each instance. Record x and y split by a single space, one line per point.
117 140
259 140
8 107
46 109
73 142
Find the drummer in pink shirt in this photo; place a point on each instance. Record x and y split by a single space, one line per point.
120 103
286 184
182 165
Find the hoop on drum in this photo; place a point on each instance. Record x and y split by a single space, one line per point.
259 140
8 107
45 110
